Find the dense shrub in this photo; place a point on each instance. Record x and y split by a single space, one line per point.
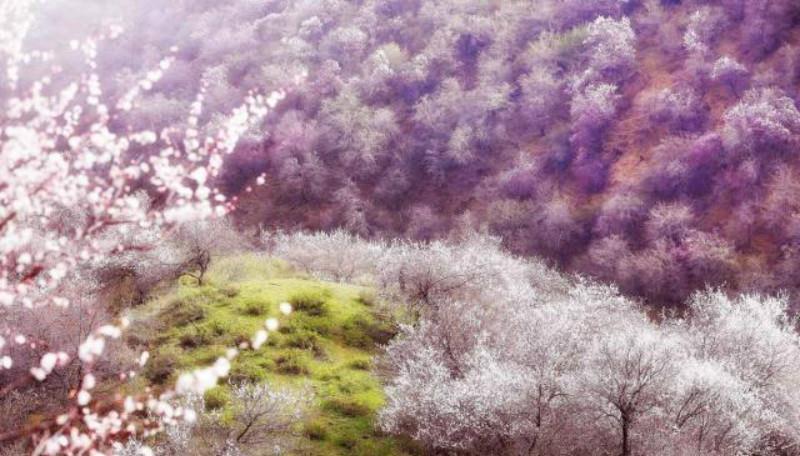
291 363
347 407
315 430
365 332
730 72
182 311
670 222
312 303
679 108
305 340
622 215
591 111
255 308
505 355
216 398
506 371
160 369
704 28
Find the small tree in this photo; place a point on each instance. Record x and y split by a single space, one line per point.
262 416
260 420
198 243
338 255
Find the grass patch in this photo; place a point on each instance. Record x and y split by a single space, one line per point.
218 327
305 340
299 322
347 407
367 298
181 312
326 345
360 364
312 303
247 372
229 291
255 308
347 441
366 331
291 363
216 398
316 430
195 337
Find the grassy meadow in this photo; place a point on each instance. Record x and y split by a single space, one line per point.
325 346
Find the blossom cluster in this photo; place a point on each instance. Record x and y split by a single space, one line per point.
76 184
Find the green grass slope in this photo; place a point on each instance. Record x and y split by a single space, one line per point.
326 344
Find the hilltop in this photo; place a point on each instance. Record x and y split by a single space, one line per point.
323 350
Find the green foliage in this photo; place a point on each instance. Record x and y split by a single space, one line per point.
315 430
218 327
347 407
305 340
367 331
161 366
216 398
313 303
229 291
195 337
203 356
255 308
307 349
299 322
181 312
351 384
347 441
247 372
292 363
367 297
360 364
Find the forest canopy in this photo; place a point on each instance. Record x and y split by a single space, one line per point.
598 135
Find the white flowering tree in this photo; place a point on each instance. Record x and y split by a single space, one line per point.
764 120
508 357
261 419
337 255
592 110
75 187
704 26
611 43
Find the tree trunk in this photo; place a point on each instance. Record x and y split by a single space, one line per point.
626 449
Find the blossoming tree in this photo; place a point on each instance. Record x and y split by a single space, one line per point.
75 188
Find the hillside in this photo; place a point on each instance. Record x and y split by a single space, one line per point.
324 349
595 134
400 227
